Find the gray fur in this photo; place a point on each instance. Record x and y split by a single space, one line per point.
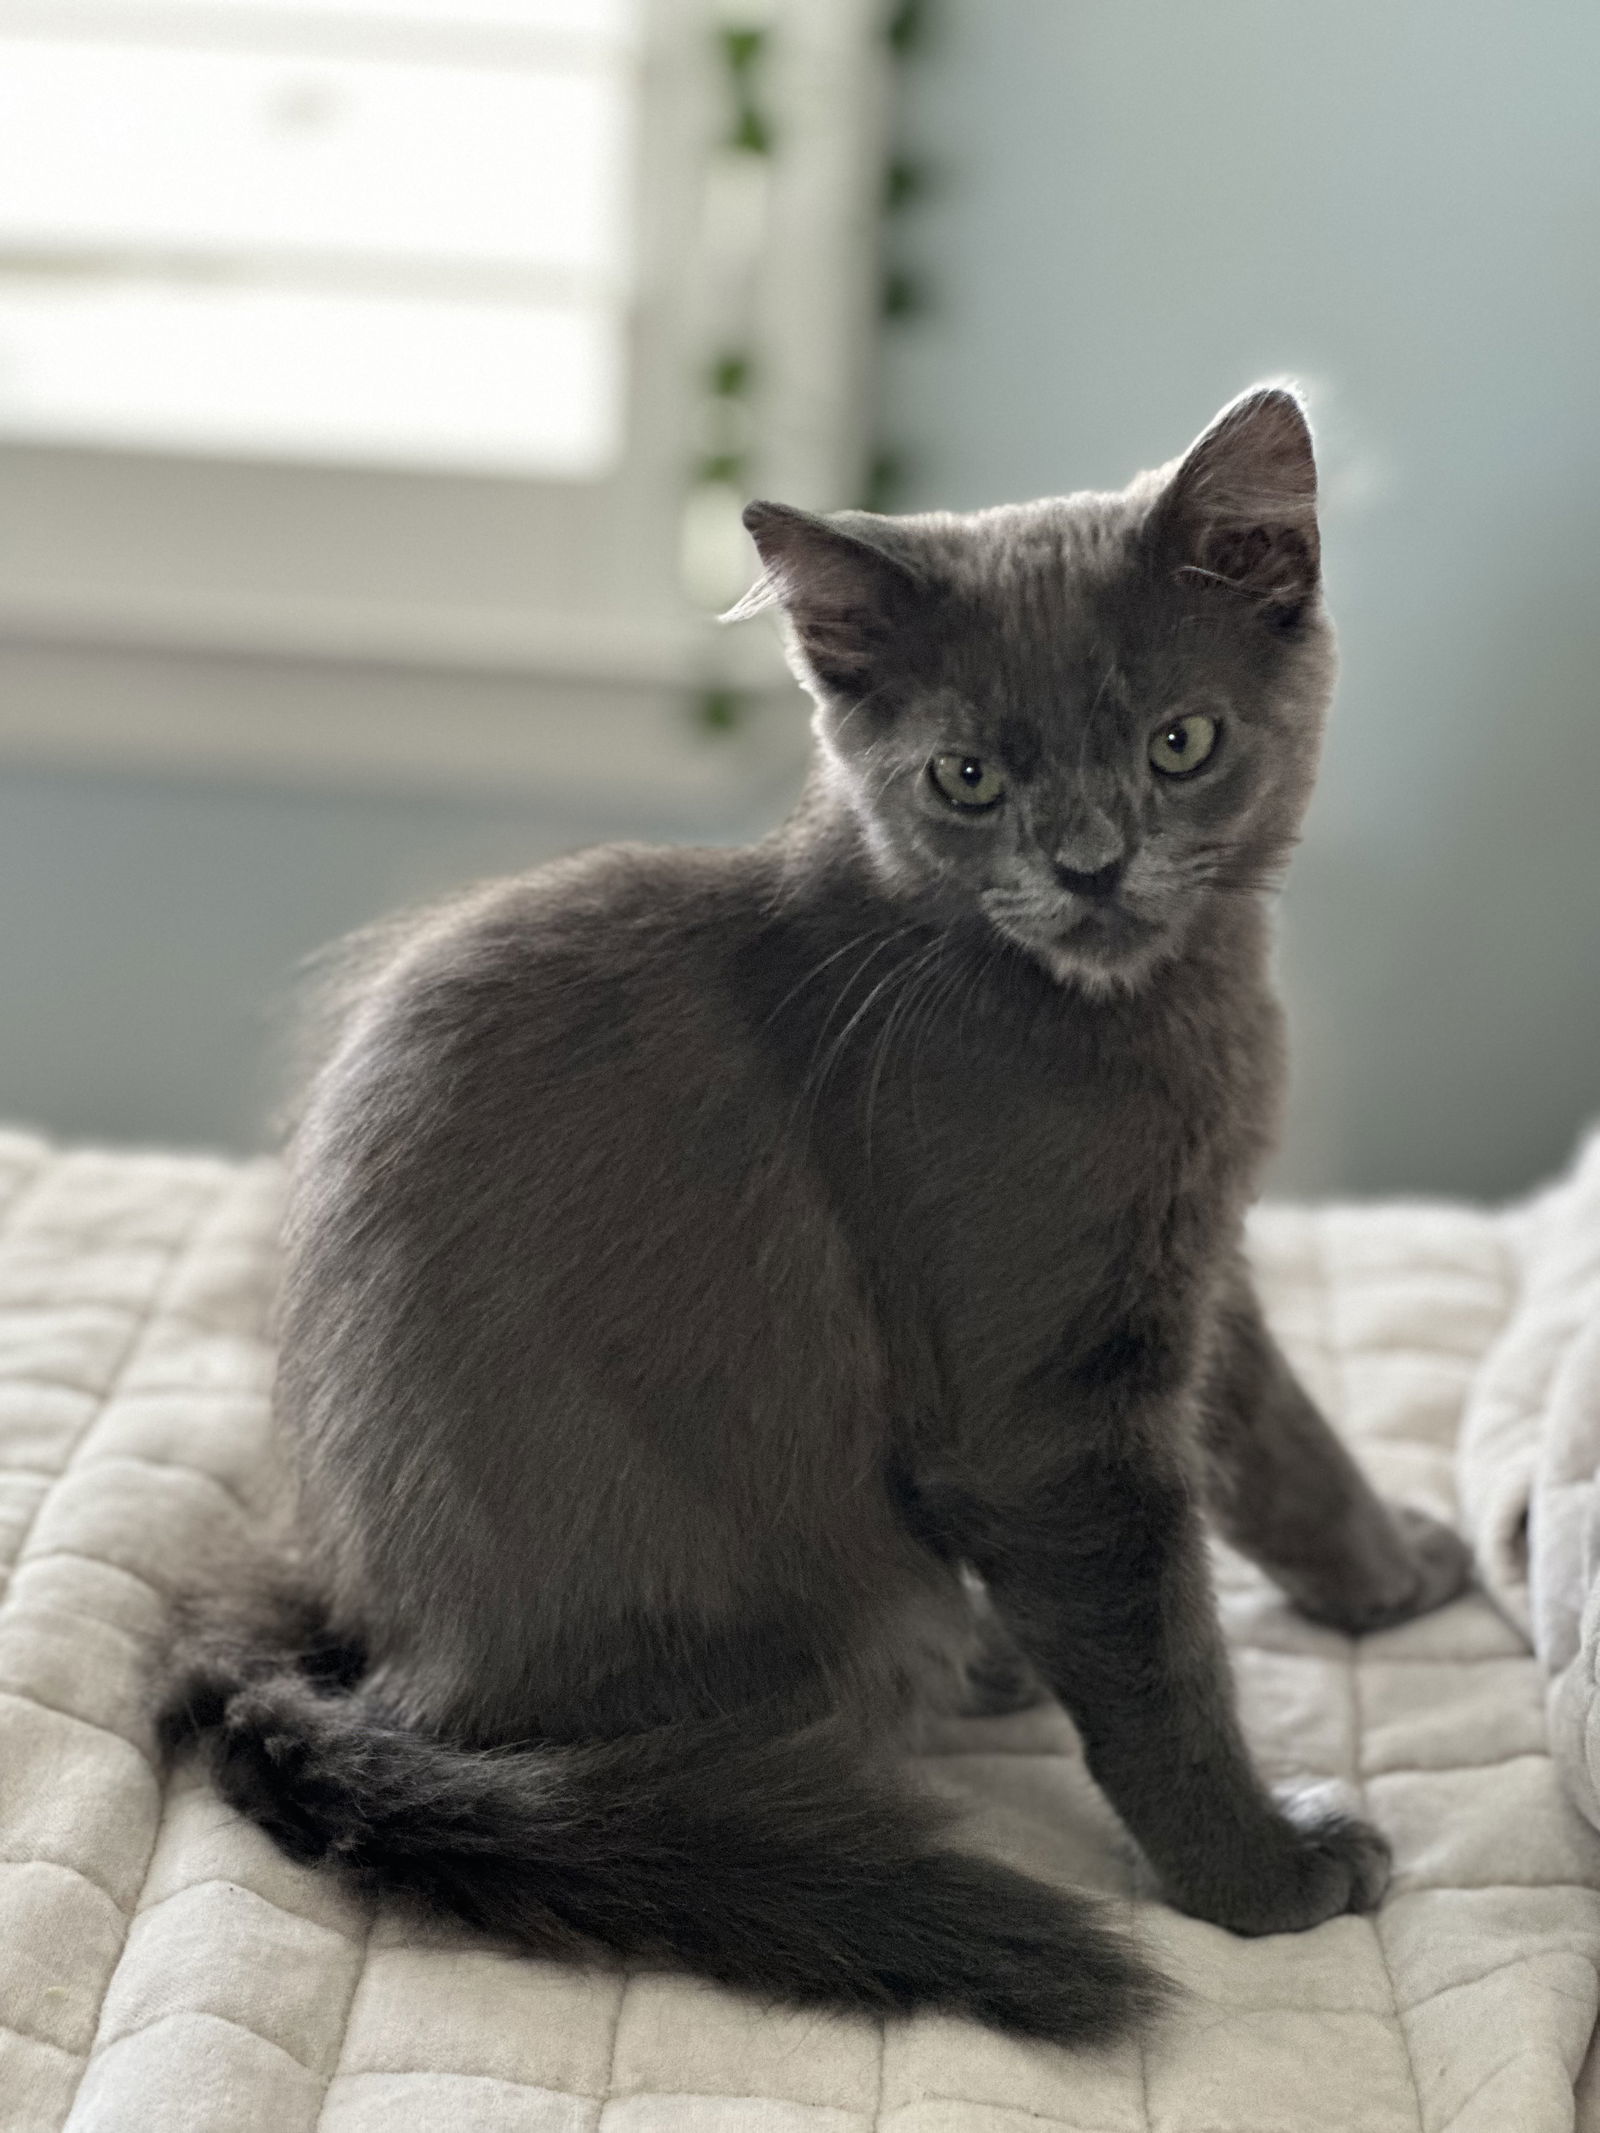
701 1263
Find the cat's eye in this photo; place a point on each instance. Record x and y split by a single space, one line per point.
1183 744
967 782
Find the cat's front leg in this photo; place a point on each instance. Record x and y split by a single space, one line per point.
1287 1493
1102 1576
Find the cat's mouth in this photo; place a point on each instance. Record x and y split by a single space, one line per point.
1107 926
1104 945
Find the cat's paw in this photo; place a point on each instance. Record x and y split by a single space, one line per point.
1339 1862
1315 1861
1432 1566
1440 1557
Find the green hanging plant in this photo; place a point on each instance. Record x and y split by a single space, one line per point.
904 294
743 51
723 468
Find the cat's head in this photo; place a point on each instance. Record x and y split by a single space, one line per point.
1085 717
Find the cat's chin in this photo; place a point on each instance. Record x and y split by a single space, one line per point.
1102 978
1104 961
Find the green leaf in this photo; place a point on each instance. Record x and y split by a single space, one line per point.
750 131
907 28
732 374
905 183
728 468
720 710
886 480
902 295
741 48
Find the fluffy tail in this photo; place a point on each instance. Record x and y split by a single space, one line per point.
782 1866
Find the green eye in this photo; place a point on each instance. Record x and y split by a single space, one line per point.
1183 745
967 782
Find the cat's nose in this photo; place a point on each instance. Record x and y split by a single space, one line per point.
1098 882
1091 855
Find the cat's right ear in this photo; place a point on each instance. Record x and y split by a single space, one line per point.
1240 509
844 597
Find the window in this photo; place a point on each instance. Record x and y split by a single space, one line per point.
375 335
395 234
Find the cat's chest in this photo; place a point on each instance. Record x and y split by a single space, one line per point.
1019 1196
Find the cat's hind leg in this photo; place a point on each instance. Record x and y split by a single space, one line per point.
957 1659
1287 1493
998 1676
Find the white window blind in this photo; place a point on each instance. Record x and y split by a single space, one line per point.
382 232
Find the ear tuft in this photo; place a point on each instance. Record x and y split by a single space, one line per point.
764 523
1241 508
762 595
843 595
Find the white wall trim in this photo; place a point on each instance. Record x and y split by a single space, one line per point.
584 745
381 634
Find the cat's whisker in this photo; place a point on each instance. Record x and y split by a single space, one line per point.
919 968
947 987
1086 724
811 977
861 704
816 1080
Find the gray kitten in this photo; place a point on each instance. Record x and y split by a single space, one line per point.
704 1267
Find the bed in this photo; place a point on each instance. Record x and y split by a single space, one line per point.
163 1968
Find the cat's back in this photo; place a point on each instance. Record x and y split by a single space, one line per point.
602 966
551 1089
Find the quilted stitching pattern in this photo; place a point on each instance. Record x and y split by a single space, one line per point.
162 1967
1529 1464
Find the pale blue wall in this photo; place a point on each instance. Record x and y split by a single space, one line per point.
151 930
1150 204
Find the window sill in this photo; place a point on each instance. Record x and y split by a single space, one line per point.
356 702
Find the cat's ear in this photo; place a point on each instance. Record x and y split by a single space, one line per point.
844 597
1240 511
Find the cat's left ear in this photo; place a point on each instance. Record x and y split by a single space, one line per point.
843 595
1240 511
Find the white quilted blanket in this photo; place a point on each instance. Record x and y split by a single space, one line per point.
162 1968
1529 1463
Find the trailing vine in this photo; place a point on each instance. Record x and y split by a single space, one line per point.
713 548
904 295
722 472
